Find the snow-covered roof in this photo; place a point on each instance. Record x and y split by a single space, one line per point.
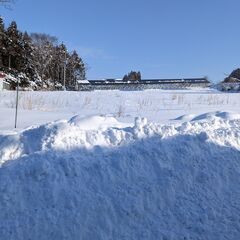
83 81
2 75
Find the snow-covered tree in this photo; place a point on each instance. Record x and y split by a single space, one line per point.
75 69
28 65
6 3
38 59
2 42
44 53
14 48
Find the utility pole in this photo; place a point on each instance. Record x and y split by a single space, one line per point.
64 71
9 61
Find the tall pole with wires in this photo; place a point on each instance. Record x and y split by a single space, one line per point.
64 71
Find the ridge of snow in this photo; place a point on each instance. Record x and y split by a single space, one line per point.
107 131
142 181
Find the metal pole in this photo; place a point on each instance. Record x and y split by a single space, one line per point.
16 112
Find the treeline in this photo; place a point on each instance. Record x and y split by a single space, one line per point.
132 76
37 60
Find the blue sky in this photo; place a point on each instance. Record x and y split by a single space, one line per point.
161 38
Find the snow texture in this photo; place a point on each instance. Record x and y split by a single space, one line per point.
69 180
162 106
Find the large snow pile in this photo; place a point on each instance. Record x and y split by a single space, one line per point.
66 180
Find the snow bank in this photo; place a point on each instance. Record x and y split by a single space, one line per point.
67 180
217 114
94 122
108 132
209 116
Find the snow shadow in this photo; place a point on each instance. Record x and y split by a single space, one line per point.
183 187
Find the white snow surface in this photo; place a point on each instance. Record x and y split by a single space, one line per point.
161 106
99 178
153 164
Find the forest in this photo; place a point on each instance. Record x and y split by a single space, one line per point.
37 60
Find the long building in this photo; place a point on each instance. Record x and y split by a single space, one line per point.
115 84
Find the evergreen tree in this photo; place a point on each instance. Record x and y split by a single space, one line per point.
3 46
132 76
62 60
14 48
27 63
38 58
75 69
2 42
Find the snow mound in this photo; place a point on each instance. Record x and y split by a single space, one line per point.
185 117
94 122
107 132
218 114
208 116
146 181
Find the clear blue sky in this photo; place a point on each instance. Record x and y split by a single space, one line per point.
161 38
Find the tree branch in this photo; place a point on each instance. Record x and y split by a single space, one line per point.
6 3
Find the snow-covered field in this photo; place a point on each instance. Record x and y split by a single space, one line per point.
120 165
160 106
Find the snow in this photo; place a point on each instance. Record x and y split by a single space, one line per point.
209 115
83 81
93 122
172 172
162 106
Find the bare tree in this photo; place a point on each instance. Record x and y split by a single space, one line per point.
45 46
6 3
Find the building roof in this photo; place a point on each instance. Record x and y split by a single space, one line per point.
83 81
2 75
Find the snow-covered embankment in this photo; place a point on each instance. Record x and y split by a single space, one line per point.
69 180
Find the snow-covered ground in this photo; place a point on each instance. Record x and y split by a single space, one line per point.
160 106
120 165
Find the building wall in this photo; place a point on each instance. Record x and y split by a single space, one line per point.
1 84
4 85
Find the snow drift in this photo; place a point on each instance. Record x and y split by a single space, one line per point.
66 180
